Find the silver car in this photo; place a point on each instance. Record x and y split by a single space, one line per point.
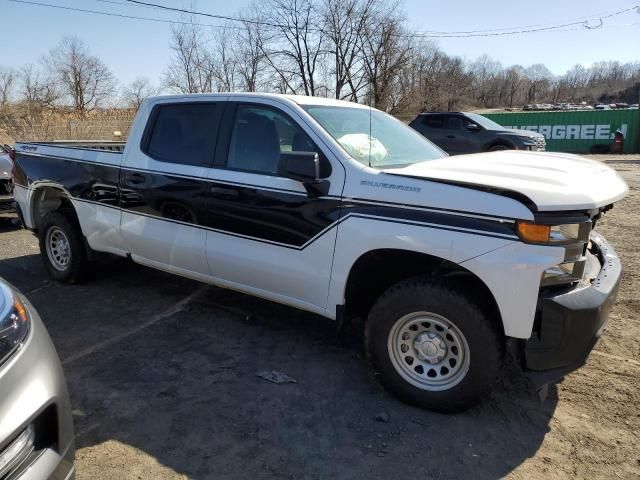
36 427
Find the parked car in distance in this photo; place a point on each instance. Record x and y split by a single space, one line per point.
36 426
342 210
463 132
602 106
6 183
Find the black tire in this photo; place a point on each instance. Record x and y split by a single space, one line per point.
499 146
76 268
485 345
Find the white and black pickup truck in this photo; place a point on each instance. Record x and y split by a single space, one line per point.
341 210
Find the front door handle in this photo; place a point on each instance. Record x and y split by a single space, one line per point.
451 136
134 179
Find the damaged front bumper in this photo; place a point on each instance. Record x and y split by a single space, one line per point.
570 322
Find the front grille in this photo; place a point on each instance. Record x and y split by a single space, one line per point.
541 144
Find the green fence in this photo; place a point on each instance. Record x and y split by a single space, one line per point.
577 131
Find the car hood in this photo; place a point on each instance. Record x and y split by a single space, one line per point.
519 133
5 166
549 181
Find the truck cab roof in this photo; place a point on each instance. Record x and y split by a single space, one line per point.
297 99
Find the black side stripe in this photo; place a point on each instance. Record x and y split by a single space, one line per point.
282 190
342 219
270 215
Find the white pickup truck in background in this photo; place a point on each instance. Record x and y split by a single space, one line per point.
341 210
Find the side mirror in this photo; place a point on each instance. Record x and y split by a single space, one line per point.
305 168
474 127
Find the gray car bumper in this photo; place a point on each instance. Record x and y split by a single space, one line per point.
33 393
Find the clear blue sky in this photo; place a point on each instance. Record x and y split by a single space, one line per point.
133 48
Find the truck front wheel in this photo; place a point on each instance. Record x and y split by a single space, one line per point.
431 346
62 247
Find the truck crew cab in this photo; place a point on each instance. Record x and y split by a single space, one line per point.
341 210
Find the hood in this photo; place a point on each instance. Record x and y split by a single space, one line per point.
5 166
520 133
549 181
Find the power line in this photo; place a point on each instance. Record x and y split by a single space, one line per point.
584 22
121 15
581 20
427 34
491 33
204 14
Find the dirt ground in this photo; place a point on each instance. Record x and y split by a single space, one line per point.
162 375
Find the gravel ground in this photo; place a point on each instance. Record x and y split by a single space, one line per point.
162 375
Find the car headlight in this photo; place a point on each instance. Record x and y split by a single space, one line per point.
14 322
574 237
563 234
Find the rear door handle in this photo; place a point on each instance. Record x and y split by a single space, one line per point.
451 136
134 179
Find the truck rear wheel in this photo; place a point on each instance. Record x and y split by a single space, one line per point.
62 247
432 347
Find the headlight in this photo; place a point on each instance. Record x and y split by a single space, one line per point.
564 234
572 236
14 322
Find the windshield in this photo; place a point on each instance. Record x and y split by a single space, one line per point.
374 138
484 122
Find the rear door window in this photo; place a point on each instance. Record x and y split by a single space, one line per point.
434 121
183 133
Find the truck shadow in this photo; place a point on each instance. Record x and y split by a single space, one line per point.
176 380
8 223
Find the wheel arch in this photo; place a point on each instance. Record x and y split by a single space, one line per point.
48 198
498 141
377 270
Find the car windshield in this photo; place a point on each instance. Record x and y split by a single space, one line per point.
484 122
374 138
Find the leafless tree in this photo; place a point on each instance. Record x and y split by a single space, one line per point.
385 50
248 53
539 79
84 79
7 84
222 59
293 44
486 73
577 77
514 77
345 24
138 91
37 89
190 69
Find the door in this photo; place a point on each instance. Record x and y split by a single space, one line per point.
457 138
267 235
432 126
164 185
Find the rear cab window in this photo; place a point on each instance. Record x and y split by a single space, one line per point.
183 133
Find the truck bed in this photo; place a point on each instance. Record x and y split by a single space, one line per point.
98 152
110 146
